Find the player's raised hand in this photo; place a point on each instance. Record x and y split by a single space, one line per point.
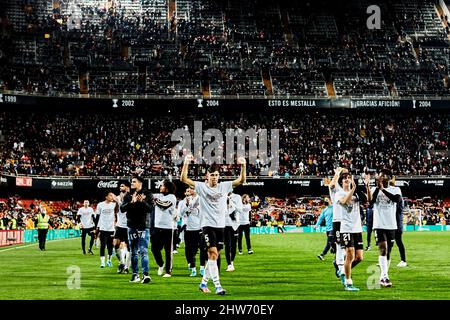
188 159
367 179
241 160
134 198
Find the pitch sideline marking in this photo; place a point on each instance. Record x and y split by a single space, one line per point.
33 244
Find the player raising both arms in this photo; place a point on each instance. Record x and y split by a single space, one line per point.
348 201
333 188
384 199
213 208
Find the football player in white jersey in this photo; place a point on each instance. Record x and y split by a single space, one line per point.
188 208
333 188
385 199
87 216
213 208
165 225
399 231
120 243
244 228
348 202
107 215
231 228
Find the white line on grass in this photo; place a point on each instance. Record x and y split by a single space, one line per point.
33 244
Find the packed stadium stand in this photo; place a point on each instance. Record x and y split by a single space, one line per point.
310 143
233 48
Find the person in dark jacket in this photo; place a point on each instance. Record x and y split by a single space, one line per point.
399 232
369 224
138 205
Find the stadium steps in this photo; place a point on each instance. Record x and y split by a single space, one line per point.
331 92
206 90
288 36
172 7
392 89
171 15
84 82
440 13
267 80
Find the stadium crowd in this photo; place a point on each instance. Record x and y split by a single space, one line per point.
14 214
305 211
266 211
310 144
258 48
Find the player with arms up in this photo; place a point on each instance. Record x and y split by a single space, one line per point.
348 201
213 208
333 188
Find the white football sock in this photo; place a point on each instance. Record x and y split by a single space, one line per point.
127 259
206 276
214 271
340 258
382 260
123 255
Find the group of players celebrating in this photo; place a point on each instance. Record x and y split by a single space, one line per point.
347 200
213 217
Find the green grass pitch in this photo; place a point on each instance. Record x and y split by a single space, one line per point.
284 267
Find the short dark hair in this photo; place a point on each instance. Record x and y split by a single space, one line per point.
126 184
105 194
138 178
213 168
387 172
170 186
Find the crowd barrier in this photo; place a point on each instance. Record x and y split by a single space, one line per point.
32 235
9 237
308 229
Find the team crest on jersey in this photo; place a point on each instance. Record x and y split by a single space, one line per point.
383 199
215 197
349 207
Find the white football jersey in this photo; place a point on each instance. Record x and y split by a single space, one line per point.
384 210
236 207
244 217
121 218
190 213
165 218
105 211
213 203
86 217
336 211
350 213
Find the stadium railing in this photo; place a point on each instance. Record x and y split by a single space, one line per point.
229 97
